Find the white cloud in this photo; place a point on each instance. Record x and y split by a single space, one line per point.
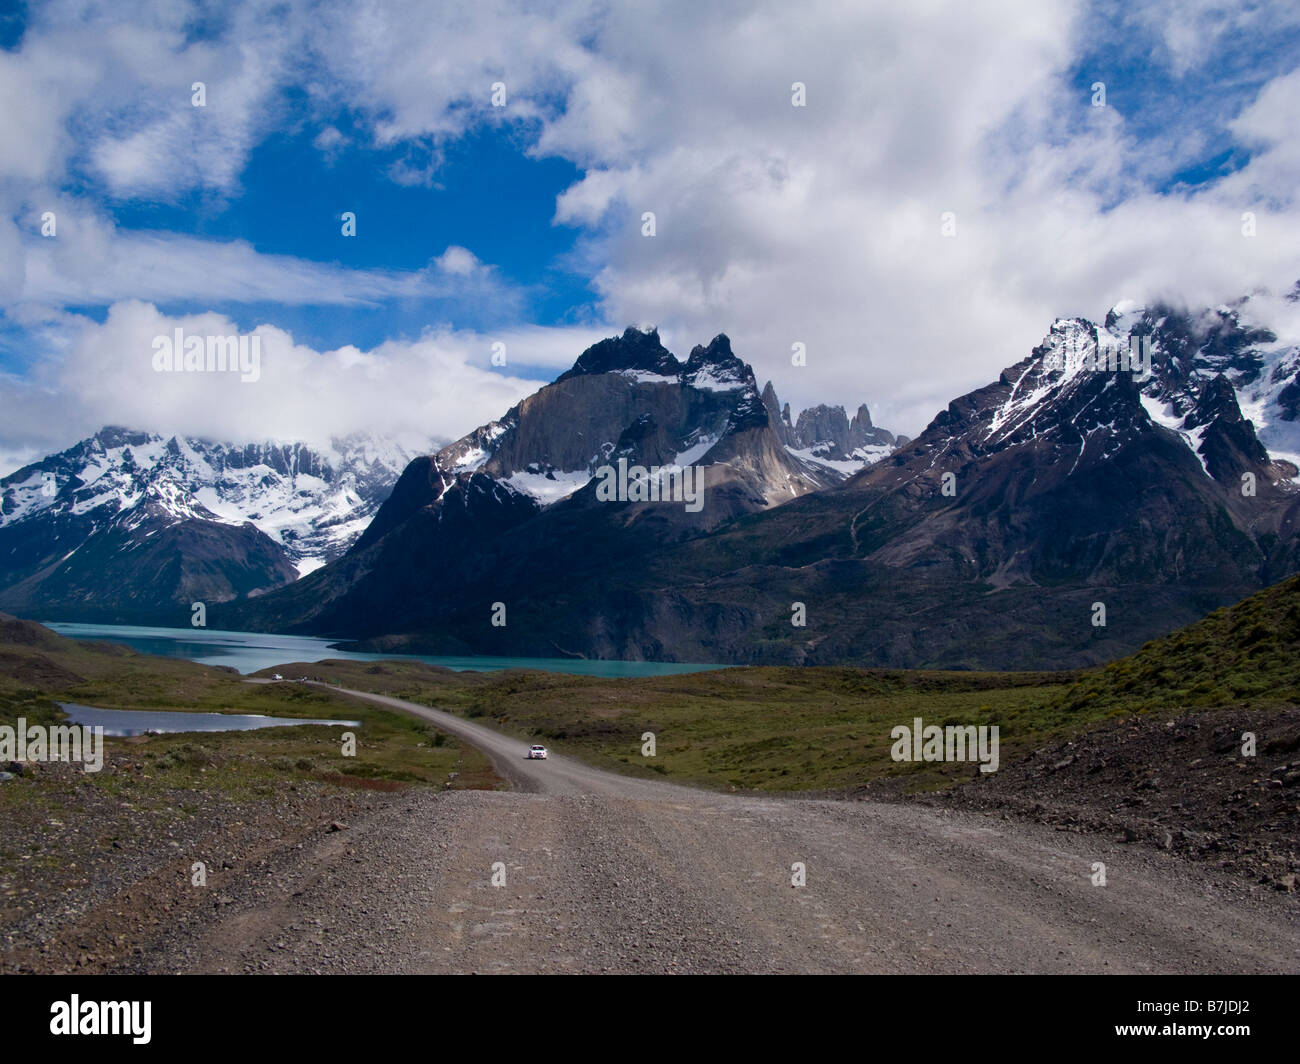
775 224
459 261
90 261
821 225
439 386
106 90
329 141
1269 126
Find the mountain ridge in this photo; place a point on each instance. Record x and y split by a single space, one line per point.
196 520
531 475
1067 492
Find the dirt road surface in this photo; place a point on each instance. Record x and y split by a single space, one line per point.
580 870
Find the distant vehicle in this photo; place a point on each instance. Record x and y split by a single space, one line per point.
537 752
277 676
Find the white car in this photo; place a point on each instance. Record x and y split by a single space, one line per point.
537 752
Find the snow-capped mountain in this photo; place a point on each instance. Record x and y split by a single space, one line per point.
1053 515
288 509
527 484
1100 387
1109 473
312 501
630 397
1198 356
1074 438
130 526
827 436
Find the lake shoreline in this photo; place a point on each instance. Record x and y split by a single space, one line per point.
251 652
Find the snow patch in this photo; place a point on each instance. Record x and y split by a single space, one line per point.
715 379
547 489
695 451
862 457
644 376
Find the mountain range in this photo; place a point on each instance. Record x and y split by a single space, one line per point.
1065 513
1122 479
129 525
132 526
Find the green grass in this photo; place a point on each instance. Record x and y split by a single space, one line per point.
778 729
828 729
393 749
1247 655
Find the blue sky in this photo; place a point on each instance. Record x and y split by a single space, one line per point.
487 195
521 224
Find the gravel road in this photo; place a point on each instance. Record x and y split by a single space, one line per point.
595 872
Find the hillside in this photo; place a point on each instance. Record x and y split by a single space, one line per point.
1191 746
1246 655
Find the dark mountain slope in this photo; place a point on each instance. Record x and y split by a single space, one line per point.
986 542
517 499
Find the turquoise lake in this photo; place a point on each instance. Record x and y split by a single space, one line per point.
250 651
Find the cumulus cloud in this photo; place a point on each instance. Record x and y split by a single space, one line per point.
436 387
822 225
459 261
774 223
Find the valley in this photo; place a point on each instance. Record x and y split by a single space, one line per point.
682 861
711 489
1063 570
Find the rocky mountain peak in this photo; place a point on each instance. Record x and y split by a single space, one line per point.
635 350
779 421
827 432
717 368
1225 440
1217 400
824 424
1218 378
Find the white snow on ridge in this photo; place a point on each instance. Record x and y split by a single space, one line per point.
470 461
548 489
1162 414
644 376
1070 346
713 379
695 451
862 457
1260 404
313 500
29 498
551 488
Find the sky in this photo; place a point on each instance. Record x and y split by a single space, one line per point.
912 190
